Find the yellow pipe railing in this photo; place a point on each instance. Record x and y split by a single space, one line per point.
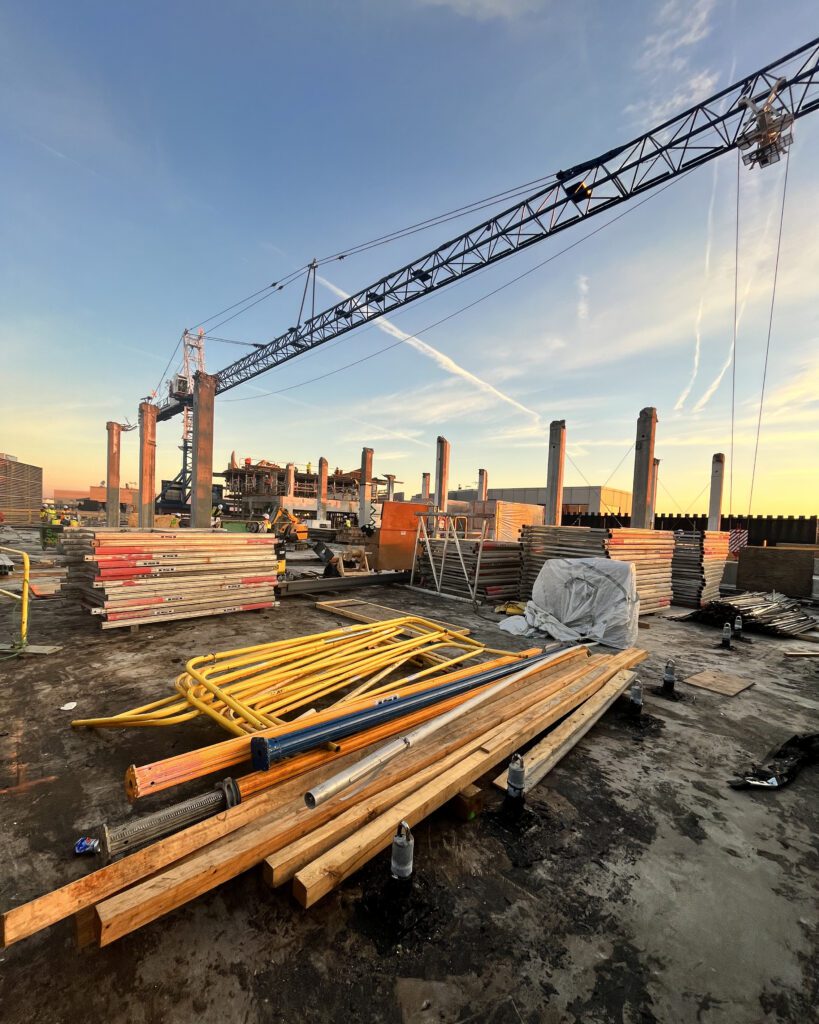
251 689
22 597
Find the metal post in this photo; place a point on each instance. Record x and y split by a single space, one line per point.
425 487
390 487
204 394
147 464
643 468
442 475
652 508
365 504
715 503
554 473
483 485
289 486
321 496
112 474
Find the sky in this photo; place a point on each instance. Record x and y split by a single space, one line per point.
160 161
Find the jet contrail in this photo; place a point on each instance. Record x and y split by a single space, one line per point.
715 383
444 361
686 391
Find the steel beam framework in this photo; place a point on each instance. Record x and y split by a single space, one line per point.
680 144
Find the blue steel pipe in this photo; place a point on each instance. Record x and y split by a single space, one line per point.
265 751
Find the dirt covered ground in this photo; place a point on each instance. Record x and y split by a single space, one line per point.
637 887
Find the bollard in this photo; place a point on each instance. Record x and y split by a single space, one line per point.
726 636
669 679
635 699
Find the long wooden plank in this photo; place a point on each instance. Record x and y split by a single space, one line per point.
328 871
540 760
157 896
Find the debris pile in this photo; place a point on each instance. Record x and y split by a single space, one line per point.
311 813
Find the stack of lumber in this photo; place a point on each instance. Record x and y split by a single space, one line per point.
651 552
698 566
505 518
773 614
492 568
319 848
134 577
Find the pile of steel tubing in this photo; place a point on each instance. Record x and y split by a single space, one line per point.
136 577
774 614
254 688
144 780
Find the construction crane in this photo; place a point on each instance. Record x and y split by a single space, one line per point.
756 115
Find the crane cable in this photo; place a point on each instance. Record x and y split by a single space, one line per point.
770 329
734 358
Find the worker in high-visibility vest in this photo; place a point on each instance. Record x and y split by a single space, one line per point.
44 515
267 526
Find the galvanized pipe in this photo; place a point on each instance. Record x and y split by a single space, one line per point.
380 757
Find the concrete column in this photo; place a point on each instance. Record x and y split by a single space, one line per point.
554 473
321 496
643 468
652 509
289 486
442 475
112 474
483 485
365 486
390 487
717 480
204 395
425 487
147 464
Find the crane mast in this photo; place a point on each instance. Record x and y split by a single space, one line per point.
755 114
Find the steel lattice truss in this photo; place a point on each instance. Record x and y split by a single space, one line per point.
692 138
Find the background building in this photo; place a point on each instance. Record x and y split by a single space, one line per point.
576 500
21 490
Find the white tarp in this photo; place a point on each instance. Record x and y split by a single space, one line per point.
582 599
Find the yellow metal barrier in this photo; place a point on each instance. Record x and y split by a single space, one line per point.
22 597
253 688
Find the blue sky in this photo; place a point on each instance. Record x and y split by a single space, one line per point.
161 161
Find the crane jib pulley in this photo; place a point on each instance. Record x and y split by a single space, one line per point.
755 115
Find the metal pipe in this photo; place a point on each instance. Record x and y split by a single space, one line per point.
265 751
380 757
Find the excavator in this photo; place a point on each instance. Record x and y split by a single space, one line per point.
287 527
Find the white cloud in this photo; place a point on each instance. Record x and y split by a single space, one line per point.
583 297
671 82
486 10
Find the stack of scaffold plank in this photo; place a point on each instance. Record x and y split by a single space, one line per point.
540 543
773 614
316 845
698 566
135 577
486 570
650 551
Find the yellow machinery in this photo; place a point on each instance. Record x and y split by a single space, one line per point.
287 527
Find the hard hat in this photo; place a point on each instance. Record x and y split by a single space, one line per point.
65 507
220 506
265 516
